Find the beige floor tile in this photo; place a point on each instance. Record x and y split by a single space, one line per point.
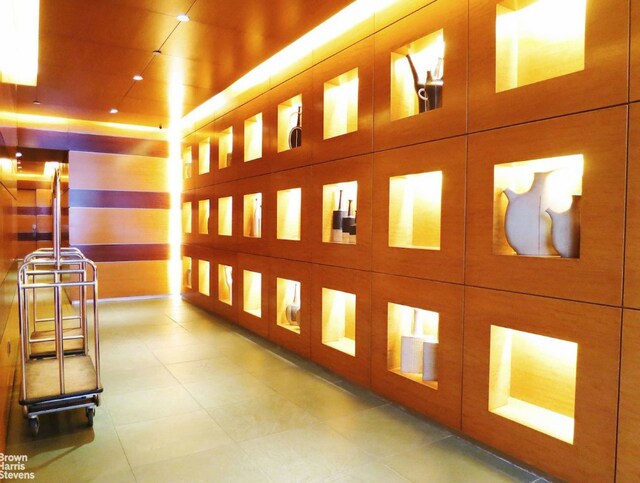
127 356
193 371
187 353
316 453
387 430
370 473
225 464
139 406
133 379
255 418
259 361
222 390
292 380
453 460
171 437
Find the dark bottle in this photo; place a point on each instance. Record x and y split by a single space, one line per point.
434 92
420 88
347 222
295 135
336 222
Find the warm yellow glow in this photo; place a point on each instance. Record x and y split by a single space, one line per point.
415 210
187 162
203 217
331 203
407 321
425 53
339 320
204 156
187 272
19 28
348 18
564 181
538 40
341 105
252 292
50 168
253 138
252 215
62 124
287 118
186 217
289 209
286 292
225 216
532 381
225 284
225 148
203 277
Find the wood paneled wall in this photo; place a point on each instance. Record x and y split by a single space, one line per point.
470 280
119 217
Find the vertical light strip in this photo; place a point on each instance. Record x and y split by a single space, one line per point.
176 97
19 29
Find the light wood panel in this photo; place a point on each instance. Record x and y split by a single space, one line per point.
632 247
391 43
442 402
358 56
596 330
117 172
133 279
297 341
446 262
102 226
628 467
635 51
356 366
596 276
358 169
606 30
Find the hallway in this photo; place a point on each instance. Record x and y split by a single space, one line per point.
189 397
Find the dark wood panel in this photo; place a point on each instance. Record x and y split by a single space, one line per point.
30 236
118 199
126 252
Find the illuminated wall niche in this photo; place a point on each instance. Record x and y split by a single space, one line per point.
252 292
187 163
538 40
187 281
253 138
289 113
204 156
341 105
225 284
415 207
203 217
225 148
339 320
288 304
412 343
252 215
339 217
225 216
288 214
532 381
427 55
203 277
186 217
543 198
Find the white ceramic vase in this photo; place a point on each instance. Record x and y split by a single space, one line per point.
526 224
565 229
292 311
256 225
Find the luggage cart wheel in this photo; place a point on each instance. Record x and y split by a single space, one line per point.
91 412
34 425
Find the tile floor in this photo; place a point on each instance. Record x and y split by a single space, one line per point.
189 397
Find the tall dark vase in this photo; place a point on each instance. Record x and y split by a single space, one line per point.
295 135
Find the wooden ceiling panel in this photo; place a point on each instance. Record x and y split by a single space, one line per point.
89 51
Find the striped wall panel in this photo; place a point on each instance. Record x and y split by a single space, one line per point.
119 217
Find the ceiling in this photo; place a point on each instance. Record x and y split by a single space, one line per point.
90 50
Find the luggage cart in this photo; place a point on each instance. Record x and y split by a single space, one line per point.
58 370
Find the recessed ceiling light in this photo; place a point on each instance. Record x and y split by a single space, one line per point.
137 77
183 17
113 111
36 102
157 52
18 154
